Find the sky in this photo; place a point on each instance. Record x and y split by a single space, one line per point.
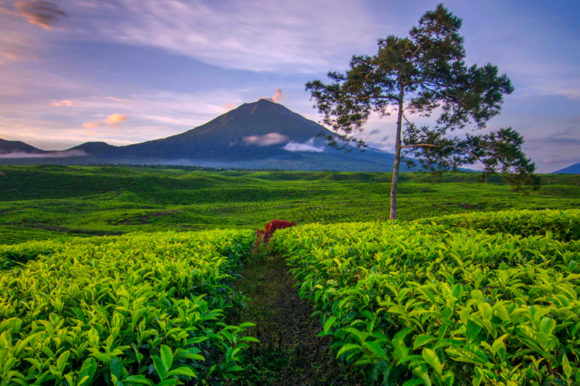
127 71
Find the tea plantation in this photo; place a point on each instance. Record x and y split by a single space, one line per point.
443 303
143 275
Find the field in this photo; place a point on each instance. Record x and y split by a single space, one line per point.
143 275
47 202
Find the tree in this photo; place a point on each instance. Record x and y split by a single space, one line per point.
423 74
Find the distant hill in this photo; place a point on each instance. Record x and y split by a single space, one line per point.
94 148
572 169
258 135
8 147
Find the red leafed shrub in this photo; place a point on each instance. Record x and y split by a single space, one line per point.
264 236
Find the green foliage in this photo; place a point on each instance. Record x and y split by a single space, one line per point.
562 225
434 304
38 202
138 309
425 74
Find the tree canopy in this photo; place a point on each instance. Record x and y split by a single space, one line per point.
424 74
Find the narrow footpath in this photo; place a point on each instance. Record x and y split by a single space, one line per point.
289 353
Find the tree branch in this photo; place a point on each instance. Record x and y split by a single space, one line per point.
443 148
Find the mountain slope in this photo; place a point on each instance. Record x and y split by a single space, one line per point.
572 169
256 130
97 148
7 147
258 135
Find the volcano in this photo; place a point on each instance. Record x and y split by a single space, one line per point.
253 131
258 135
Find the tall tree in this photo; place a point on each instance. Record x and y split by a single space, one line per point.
422 74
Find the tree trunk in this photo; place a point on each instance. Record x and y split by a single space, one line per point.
395 177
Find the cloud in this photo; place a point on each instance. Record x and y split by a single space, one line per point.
62 102
10 53
115 119
14 47
38 12
306 146
277 95
561 160
91 125
229 106
56 154
114 99
567 137
265 140
111 120
257 35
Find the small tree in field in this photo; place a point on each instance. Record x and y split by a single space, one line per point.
425 73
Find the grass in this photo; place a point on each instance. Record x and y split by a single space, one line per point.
52 201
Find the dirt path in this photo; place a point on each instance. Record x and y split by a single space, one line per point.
289 353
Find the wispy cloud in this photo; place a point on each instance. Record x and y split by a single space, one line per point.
256 35
561 160
62 102
91 125
307 146
15 47
277 97
57 154
38 12
265 140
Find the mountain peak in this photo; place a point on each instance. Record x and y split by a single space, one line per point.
7 147
266 101
259 134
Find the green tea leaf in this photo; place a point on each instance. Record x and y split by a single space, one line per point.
432 359
329 322
376 349
184 371
566 366
166 357
421 340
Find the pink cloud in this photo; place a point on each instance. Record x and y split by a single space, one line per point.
277 95
91 125
38 12
115 119
114 99
13 50
62 102
559 160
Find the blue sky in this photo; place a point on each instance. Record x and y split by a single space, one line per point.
126 71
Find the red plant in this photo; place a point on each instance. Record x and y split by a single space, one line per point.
264 236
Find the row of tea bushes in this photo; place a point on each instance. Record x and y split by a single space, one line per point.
430 304
136 309
563 225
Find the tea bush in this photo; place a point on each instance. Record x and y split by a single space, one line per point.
562 224
431 304
136 309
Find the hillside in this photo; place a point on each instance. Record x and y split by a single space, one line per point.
48 201
572 169
8 147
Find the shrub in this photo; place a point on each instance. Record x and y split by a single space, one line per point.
264 236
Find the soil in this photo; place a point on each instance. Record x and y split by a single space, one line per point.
289 353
